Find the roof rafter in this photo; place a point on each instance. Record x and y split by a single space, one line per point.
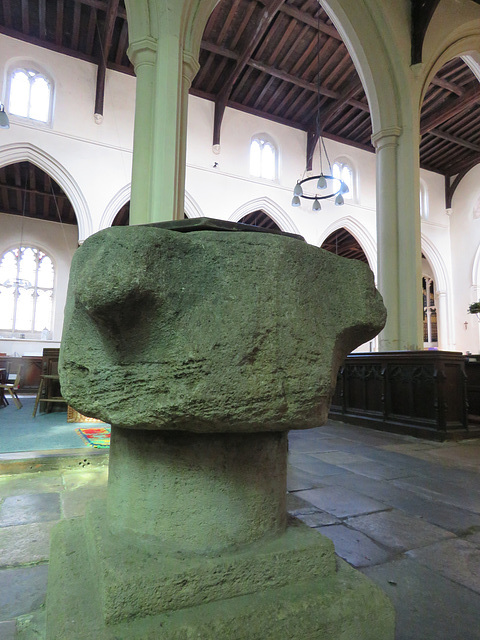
269 14
110 17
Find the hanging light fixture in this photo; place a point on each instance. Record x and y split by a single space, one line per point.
329 185
4 123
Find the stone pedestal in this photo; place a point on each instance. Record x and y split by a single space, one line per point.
202 363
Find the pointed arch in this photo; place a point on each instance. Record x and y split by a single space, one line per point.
362 29
113 207
361 235
271 208
465 47
442 289
19 152
192 209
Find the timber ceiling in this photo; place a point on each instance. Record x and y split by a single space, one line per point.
279 59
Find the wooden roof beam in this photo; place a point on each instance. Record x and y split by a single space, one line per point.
59 24
283 75
102 5
271 9
452 107
110 17
455 139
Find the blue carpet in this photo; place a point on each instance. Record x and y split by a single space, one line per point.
19 431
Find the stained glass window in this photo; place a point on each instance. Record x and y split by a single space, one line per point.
26 290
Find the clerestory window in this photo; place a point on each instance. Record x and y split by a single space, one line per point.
30 95
343 171
263 158
27 277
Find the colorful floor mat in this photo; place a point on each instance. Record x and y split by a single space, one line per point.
98 437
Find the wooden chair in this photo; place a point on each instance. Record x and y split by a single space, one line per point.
12 389
49 387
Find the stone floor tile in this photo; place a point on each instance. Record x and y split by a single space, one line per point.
311 465
25 544
91 477
311 445
341 502
449 454
22 590
428 606
438 488
398 531
27 508
378 470
446 516
317 518
297 505
298 479
355 547
455 559
7 630
339 457
473 537
74 502
17 484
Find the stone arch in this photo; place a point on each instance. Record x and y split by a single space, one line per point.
462 47
113 207
278 215
19 152
361 235
368 49
361 35
192 209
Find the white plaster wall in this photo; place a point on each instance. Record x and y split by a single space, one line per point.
97 159
59 242
221 191
465 242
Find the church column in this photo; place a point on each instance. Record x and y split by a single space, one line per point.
143 55
164 75
398 240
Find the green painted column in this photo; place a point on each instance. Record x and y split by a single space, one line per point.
143 55
398 242
164 75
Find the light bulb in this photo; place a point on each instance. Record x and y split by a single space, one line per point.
316 205
339 200
295 201
298 191
322 182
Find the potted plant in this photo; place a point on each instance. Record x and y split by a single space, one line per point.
474 307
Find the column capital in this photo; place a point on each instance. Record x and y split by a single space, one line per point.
190 67
143 51
386 137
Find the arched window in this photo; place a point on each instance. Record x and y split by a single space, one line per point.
27 280
423 201
30 95
430 331
342 171
263 158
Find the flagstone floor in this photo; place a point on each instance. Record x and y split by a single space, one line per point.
405 512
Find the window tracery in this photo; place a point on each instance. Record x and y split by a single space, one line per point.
27 277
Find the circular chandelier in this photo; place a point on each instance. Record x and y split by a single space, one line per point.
331 186
326 183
